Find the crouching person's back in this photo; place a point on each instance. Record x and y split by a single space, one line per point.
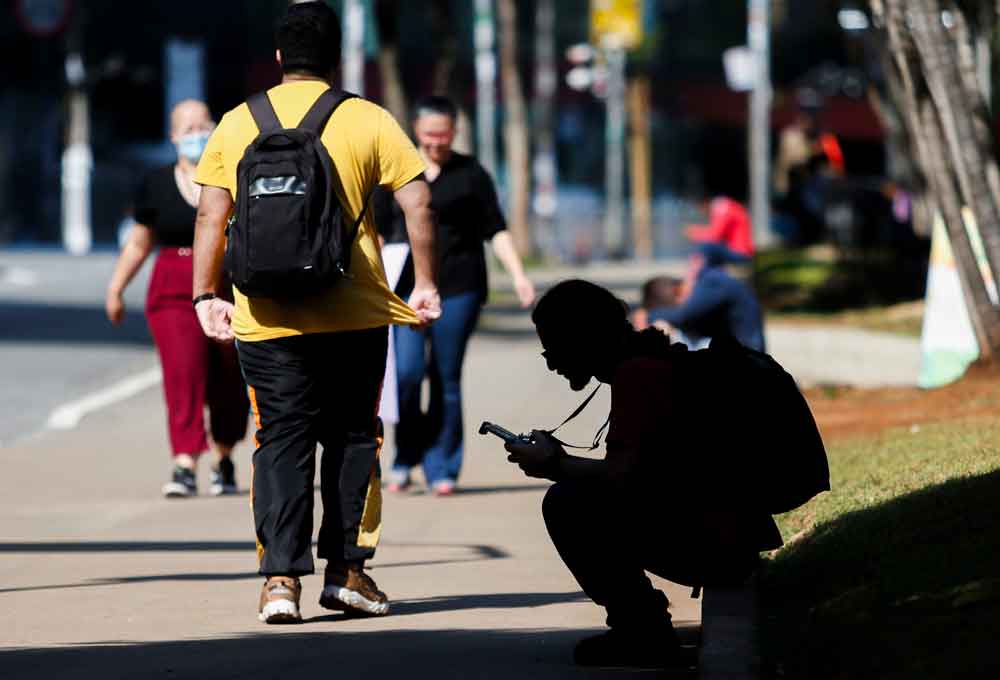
671 495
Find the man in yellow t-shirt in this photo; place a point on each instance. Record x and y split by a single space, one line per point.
314 367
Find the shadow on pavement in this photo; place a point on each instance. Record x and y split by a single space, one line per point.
484 601
476 490
39 322
483 551
278 652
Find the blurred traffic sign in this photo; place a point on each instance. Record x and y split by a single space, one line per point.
616 23
43 18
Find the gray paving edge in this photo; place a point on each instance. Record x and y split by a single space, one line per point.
729 634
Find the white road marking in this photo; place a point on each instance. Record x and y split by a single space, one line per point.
68 416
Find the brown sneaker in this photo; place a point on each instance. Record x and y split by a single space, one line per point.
279 600
347 588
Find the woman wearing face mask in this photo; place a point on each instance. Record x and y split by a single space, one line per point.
196 370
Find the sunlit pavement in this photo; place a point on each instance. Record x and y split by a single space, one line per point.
103 578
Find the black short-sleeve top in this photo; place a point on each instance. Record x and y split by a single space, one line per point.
467 212
160 206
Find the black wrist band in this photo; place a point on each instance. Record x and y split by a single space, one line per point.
202 298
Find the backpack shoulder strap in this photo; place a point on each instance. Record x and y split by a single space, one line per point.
263 112
319 113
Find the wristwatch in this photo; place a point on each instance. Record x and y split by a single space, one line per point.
202 298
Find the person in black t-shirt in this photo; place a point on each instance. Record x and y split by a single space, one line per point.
195 369
468 213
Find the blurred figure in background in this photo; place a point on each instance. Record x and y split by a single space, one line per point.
728 227
808 158
465 203
196 370
707 304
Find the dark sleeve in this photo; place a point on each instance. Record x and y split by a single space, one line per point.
492 221
706 297
143 208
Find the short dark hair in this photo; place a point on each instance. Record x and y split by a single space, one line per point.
660 291
577 313
435 104
309 38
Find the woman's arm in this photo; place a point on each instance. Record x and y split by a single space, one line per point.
503 248
137 248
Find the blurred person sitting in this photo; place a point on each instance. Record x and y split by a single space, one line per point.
613 518
196 371
468 214
709 303
808 158
728 227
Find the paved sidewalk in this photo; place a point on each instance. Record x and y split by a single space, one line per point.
101 578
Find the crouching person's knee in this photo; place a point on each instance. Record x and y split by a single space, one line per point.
554 502
563 507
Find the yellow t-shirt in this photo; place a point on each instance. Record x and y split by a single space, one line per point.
368 148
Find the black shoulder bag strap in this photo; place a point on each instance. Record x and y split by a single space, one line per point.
578 411
319 113
315 121
263 113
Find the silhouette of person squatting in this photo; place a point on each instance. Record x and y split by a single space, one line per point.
668 496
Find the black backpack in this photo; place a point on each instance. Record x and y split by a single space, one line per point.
288 236
777 456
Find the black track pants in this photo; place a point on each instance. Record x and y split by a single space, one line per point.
320 387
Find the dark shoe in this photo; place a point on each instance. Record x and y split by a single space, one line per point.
279 600
348 588
182 484
633 649
223 478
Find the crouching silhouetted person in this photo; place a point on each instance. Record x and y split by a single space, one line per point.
682 491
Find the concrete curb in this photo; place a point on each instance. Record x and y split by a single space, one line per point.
729 634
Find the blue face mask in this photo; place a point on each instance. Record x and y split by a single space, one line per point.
192 146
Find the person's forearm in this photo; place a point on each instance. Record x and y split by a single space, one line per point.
420 231
503 248
136 250
581 469
208 251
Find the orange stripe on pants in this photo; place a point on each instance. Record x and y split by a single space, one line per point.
253 471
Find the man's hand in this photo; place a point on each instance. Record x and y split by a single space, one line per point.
537 458
425 301
215 317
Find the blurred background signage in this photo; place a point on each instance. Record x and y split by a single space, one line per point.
616 23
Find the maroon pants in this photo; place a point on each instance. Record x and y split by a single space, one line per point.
196 370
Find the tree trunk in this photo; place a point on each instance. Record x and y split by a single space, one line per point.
916 75
956 107
641 162
981 310
515 129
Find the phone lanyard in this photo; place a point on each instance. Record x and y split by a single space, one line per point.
578 411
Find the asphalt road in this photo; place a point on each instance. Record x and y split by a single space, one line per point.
56 345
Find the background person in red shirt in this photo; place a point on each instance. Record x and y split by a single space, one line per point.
728 226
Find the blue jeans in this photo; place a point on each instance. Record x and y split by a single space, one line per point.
434 438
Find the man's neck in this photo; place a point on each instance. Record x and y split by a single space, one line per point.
300 77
